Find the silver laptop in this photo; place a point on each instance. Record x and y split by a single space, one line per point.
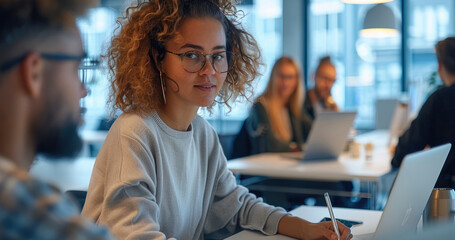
410 192
441 231
328 136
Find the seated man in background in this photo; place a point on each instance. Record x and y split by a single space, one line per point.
435 124
320 98
41 50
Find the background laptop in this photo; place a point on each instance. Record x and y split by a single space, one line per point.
410 192
328 135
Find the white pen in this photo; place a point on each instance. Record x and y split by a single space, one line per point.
332 216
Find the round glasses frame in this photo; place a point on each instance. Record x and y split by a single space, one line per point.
230 60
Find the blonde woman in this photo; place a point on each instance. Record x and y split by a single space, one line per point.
276 122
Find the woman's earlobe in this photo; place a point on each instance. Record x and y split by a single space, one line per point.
154 56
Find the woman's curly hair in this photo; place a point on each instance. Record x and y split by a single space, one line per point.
143 33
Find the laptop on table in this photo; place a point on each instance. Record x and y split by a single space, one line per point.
410 192
328 136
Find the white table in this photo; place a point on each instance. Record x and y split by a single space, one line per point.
66 175
75 174
287 166
91 137
345 168
370 219
70 174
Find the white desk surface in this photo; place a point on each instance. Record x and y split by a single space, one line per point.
66 175
370 220
287 165
71 174
92 136
75 175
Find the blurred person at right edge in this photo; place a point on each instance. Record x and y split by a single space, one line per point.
435 123
319 98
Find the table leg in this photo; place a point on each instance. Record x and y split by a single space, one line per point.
372 189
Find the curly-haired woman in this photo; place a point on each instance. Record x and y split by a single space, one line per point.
161 172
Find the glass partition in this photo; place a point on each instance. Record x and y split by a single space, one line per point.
367 68
429 22
263 19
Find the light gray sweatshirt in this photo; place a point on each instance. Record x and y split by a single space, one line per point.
152 182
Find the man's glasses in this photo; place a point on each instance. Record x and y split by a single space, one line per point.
194 61
49 56
326 78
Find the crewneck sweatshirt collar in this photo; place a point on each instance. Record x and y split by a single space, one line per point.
172 132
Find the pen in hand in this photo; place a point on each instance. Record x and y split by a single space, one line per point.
332 216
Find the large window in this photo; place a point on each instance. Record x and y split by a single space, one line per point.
367 68
429 22
96 30
372 68
263 19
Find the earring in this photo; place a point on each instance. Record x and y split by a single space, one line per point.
163 87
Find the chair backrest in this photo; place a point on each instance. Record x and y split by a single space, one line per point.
399 122
242 144
79 196
226 141
385 109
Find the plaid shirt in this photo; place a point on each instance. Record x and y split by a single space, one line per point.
31 209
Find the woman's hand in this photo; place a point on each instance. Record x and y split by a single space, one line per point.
302 229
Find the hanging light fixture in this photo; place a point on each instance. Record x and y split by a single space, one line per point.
366 1
379 22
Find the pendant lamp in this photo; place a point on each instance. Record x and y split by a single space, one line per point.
365 1
379 22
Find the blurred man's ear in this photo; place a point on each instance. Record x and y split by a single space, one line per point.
444 75
31 75
440 70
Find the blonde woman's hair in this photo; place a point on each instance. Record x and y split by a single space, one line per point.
135 78
270 99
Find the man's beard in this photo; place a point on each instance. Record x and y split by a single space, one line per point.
56 138
59 141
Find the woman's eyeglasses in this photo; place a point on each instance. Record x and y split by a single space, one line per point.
194 61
